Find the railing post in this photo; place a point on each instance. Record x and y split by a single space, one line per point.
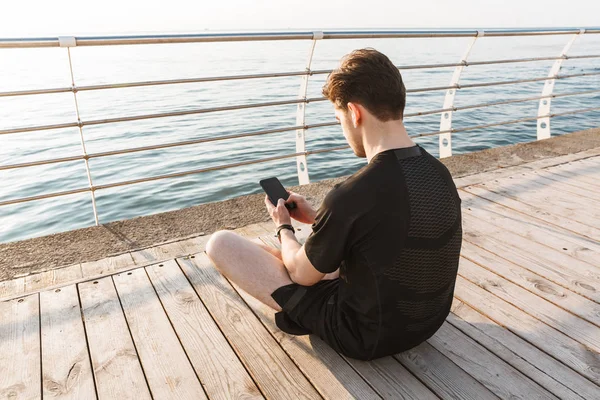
445 139
68 42
301 162
543 121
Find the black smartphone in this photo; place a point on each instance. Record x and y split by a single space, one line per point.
275 190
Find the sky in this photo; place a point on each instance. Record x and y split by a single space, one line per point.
26 18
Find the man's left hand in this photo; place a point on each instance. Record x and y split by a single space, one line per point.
279 214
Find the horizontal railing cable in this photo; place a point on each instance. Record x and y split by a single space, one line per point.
44 196
266 75
298 35
273 158
279 130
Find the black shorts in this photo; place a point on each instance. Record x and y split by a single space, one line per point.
312 310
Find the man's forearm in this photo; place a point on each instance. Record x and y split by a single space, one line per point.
289 249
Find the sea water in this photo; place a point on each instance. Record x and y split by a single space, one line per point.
22 69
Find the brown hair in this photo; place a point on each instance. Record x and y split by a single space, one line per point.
369 78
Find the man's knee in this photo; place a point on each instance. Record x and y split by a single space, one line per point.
218 242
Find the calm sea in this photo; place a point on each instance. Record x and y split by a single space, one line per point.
22 69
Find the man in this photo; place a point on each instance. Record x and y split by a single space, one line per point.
376 275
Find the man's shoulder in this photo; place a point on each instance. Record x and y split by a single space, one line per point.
354 195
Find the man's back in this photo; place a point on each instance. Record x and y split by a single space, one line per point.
395 226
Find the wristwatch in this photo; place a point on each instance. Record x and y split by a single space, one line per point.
284 226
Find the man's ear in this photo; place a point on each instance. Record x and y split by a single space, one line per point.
354 114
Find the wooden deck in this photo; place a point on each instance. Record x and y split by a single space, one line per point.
163 323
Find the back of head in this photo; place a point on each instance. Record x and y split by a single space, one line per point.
369 78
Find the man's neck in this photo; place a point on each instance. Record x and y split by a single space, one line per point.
386 136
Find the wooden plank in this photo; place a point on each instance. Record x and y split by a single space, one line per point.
159 253
12 288
536 284
107 266
386 375
583 210
67 373
273 371
117 370
499 377
542 180
20 348
535 187
579 277
325 368
220 371
166 366
551 374
534 331
524 208
564 242
500 172
585 171
52 279
569 324
391 379
195 245
570 180
441 375
253 230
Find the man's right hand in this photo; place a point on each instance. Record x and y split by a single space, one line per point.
303 212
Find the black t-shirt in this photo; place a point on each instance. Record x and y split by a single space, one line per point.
394 230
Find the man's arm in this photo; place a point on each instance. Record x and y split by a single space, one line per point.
297 263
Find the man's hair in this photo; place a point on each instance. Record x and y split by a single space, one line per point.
369 78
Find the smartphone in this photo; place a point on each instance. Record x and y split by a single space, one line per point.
275 190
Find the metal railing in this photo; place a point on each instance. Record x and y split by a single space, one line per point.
445 132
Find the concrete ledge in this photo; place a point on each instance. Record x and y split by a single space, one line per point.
90 244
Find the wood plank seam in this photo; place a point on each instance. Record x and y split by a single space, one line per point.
40 339
446 359
135 264
130 334
538 164
233 347
533 316
274 338
87 342
290 355
574 246
219 326
531 271
175 330
516 332
508 328
457 326
466 189
535 204
475 193
528 342
542 278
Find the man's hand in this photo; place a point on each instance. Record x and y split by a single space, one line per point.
303 212
279 214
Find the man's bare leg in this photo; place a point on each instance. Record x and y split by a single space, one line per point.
254 269
253 266
277 253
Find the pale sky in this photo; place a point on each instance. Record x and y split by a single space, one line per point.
23 18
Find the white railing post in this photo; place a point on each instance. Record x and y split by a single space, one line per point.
543 121
68 42
445 139
301 162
